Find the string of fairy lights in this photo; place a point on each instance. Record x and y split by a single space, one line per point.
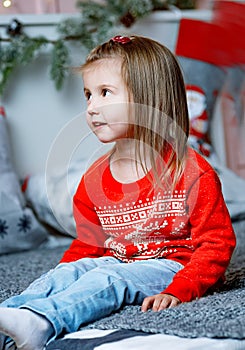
98 20
7 3
41 5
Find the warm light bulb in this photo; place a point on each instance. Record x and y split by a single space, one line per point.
7 3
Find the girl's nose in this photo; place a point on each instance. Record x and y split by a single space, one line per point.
92 108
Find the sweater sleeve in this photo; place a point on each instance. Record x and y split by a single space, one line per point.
212 237
90 236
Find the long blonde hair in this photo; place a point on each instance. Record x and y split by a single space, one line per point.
155 82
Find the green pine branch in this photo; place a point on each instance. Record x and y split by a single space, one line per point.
94 25
59 64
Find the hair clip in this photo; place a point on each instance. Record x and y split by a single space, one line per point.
121 39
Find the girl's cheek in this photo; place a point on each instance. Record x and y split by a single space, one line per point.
88 119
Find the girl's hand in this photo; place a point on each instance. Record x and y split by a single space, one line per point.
159 302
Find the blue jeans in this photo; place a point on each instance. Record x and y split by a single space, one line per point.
79 292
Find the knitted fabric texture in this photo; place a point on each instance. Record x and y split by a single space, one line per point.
218 315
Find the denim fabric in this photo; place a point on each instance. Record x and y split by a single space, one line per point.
79 292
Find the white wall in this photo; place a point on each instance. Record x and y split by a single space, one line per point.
37 113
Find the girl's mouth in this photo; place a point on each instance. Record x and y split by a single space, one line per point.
98 124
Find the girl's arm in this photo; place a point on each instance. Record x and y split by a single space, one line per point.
212 237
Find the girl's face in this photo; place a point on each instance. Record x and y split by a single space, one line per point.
107 99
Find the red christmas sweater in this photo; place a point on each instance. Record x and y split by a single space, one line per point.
132 222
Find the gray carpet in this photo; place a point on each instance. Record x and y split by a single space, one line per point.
18 270
221 314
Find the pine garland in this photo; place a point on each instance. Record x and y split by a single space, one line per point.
94 25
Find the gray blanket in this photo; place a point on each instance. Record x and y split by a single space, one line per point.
18 270
219 315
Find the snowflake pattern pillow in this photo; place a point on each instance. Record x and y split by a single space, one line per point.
19 228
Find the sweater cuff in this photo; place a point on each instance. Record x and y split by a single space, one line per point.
183 289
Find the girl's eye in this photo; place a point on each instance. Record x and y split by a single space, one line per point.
105 92
88 95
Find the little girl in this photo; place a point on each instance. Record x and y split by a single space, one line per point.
152 225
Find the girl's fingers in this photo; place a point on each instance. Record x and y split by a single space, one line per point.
159 302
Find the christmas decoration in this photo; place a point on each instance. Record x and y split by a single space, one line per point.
203 54
97 22
14 28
